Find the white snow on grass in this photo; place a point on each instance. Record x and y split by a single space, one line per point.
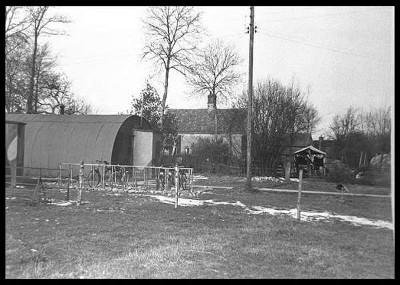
64 203
273 179
307 216
199 177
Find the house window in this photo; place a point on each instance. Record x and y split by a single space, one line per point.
187 150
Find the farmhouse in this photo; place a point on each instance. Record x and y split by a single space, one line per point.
193 124
52 139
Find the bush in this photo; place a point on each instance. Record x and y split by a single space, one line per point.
210 151
339 173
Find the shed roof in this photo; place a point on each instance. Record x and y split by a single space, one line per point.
201 121
311 148
52 139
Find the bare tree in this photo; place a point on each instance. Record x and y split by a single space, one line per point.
376 125
40 24
172 33
214 72
278 111
16 24
345 124
308 118
361 134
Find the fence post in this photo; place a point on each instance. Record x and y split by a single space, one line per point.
144 178
134 178
341 195
59 177
157 179
299 195
176 185
191 180
123 177
69 181
102 175
81 171
166 171
13 166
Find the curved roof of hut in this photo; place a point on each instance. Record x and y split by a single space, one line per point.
51 139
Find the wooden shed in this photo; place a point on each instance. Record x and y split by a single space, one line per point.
118 139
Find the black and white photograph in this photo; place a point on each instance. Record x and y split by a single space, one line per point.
199 142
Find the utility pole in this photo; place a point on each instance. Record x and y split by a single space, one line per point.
250 99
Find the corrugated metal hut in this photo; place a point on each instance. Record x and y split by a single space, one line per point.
118 139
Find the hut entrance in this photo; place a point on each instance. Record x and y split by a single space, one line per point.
311 158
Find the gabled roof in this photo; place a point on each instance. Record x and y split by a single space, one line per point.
201 121
310 148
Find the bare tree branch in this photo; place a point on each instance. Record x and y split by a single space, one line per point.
171 37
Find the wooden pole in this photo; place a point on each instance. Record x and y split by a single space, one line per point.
191 180
166 176
176 185
102 176
69 181
250 99
81 171
299 195
144 178
341 195
59 177
13 166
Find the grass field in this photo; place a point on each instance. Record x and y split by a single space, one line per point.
121 235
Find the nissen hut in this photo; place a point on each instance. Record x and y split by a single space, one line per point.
117 139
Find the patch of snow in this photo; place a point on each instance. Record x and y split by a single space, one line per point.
273 179
62 203
199 177
307 216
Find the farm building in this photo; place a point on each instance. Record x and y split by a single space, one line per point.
117 139
193 124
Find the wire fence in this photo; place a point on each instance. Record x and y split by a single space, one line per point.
126 177
38 182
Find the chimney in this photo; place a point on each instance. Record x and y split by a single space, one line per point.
212 104
62 107
321 138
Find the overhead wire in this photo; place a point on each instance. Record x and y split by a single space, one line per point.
324 15
333 49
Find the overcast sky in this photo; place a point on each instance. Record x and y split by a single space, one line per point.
344 54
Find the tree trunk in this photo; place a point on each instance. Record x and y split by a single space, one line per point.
164 99
37 92
32 78
216 125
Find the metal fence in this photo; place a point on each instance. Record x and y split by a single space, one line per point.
37 183
125 177
34 183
